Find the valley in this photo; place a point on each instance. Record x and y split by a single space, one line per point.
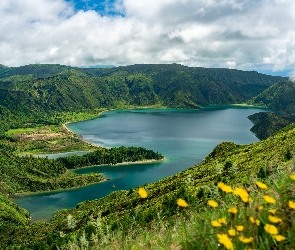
36 100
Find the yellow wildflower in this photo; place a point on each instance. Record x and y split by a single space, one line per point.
242 193
215 223
269 199
272 211
271 229
222 220
279 237
260 208
261 185
224 187
240 228
212 203
292 176
246 199
233 210
232 232
292 204
246 240
142 193
225 241
274 219
257 222
182 203
252 220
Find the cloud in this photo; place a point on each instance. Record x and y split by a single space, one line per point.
292 76
210 33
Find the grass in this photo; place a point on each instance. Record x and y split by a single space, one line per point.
46 139
20 131
263 218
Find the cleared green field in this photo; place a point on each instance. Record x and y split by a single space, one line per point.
20 131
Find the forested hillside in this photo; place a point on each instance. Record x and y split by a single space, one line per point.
279 97
33 93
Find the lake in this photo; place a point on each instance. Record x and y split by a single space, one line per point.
184 137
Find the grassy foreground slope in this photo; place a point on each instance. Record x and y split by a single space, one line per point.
235 165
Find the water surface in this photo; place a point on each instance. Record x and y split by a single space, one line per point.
184 137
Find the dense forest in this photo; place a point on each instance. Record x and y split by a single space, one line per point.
39 95
110 156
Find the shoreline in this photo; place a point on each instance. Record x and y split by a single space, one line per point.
105 178
122 164
242 105
72 132
28 193
249 105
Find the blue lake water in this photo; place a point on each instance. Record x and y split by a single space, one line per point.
184 137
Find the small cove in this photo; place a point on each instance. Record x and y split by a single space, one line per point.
184 137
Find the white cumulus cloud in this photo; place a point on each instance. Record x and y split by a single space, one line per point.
254 34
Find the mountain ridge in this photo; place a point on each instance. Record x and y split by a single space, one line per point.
47 89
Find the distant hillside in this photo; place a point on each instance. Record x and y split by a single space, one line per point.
267 124
37 70
279 97
36 92
212 83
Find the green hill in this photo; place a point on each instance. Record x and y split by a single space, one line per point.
37 92
267 124
35 70
279 97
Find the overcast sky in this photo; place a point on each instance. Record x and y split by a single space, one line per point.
248 35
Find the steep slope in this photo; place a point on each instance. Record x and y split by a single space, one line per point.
267 124
279 97
200 86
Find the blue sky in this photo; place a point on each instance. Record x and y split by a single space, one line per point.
248 35
103 7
